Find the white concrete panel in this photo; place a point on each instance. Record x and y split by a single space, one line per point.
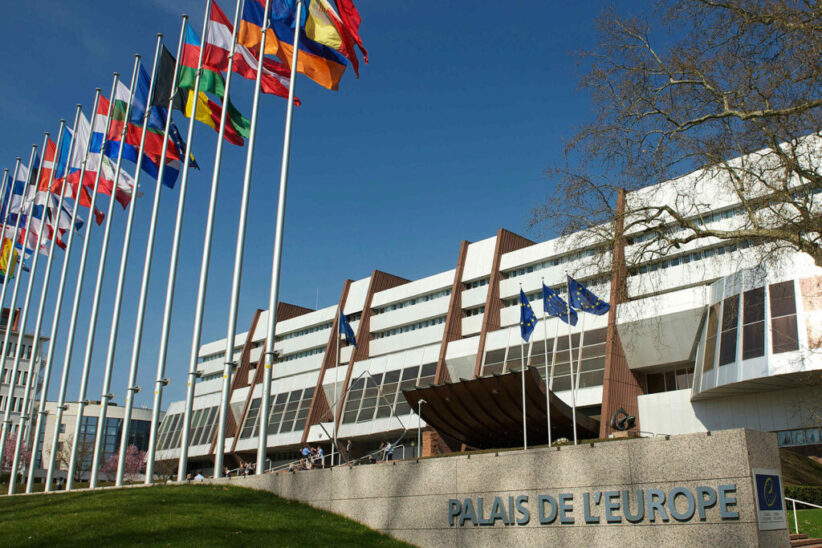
431 354
411 339
304 342
478 259
495 340
462 347
298 366
472 325
476 296
668 338
410 314
356 296
430 284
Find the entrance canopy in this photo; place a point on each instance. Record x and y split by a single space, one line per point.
486 412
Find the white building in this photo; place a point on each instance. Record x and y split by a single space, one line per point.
705 338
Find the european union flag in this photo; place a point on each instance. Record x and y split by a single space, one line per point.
555 306
582 299
527 318
345 329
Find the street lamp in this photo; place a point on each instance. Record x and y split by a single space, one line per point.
419 427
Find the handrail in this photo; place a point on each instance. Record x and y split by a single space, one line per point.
795 518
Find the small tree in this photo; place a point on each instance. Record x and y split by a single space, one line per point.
8 452
134 464
85 450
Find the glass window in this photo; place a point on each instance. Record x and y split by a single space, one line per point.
710 340
753 319
783 318
730 316
812 436
797 437
656 383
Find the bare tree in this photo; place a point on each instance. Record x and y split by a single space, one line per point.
728 90
85 450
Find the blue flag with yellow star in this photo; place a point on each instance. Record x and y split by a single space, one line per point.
580 298
555 306
345 329
527 318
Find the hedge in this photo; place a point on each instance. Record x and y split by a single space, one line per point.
804 493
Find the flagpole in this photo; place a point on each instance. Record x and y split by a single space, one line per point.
101 271
238 264
78 288
545 350
55 322
14 237
155 209
522 357
118 298
579 354
336 380
6 421
571 360
61 285
201 290
35 345
3 189
276 266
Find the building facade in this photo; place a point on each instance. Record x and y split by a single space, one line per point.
707 336
139 428
13 390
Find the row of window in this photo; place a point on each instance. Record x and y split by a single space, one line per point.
561 290
538 354
203 422
22 376
477 283
701 220
221 355
380 395
556 261
474 311
799 436
689 257
724 324
16 404
289 413
12 347
409 327
306 331
678 379
303 354
411 302
211 377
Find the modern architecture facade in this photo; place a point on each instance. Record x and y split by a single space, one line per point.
704 336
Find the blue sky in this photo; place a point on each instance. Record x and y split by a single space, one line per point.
445 137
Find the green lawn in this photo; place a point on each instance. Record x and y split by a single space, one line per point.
183 515
810 522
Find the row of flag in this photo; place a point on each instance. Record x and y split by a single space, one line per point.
580 299
135 123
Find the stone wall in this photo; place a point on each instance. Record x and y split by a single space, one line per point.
417 500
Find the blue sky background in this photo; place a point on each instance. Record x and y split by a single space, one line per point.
445 137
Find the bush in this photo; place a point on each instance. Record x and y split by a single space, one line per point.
804 493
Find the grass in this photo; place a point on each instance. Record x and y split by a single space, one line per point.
810 522
178 515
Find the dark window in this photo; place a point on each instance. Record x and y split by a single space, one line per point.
656 383
753 319
783 318
730 316
710 341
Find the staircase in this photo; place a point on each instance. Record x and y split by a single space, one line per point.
803 540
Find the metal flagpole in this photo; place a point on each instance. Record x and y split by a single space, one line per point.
101 271
141 307
8 185
198 314
118 298
238 263
579 354
336 403
276 266
6 276
545 350
212 205
4 431
78 288
55 322
38 322
571 360
3 188
524 426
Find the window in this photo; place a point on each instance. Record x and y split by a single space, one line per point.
730 316
753 323
675 379
710 340
783 317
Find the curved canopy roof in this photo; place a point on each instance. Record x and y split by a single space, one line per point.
486 412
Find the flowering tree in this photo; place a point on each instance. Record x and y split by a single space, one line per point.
134 464
8 452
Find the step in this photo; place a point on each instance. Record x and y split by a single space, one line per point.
798 536
807 542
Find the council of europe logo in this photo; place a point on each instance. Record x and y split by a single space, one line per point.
768 491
